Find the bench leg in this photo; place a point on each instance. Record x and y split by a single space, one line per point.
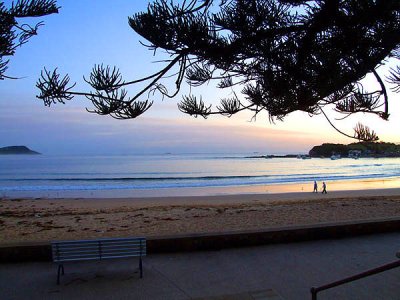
60 270
141 267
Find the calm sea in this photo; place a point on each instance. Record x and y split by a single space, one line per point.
41 175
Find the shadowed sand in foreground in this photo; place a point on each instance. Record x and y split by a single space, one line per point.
58 219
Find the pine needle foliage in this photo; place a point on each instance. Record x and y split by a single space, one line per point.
282 55
13 34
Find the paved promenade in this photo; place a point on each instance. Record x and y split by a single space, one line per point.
273 272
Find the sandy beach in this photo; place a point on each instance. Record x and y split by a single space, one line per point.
24 220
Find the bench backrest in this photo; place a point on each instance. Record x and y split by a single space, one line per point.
64 251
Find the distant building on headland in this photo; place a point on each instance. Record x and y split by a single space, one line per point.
355 154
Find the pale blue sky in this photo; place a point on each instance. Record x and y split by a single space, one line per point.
89 32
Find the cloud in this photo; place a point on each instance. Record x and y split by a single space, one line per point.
71 130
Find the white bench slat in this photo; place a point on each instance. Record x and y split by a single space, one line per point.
97 248
86 250
102 254
96 258
86 244
111 240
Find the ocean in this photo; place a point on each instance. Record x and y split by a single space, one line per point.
153 175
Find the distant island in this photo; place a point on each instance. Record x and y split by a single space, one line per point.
17 150
361 149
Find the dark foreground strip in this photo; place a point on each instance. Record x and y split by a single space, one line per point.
217 241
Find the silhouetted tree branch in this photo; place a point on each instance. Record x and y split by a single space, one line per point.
286 55
363 133
12 33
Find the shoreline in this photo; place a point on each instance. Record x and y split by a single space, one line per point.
24 220
299 187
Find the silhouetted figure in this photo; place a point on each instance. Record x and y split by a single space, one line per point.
324 188
315 187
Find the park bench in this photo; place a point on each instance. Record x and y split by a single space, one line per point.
100 249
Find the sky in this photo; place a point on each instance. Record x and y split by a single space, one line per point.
89 32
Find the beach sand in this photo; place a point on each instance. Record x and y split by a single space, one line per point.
23 220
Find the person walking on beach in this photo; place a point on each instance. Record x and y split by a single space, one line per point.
315 187
324 188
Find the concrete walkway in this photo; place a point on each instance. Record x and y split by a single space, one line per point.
281 271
